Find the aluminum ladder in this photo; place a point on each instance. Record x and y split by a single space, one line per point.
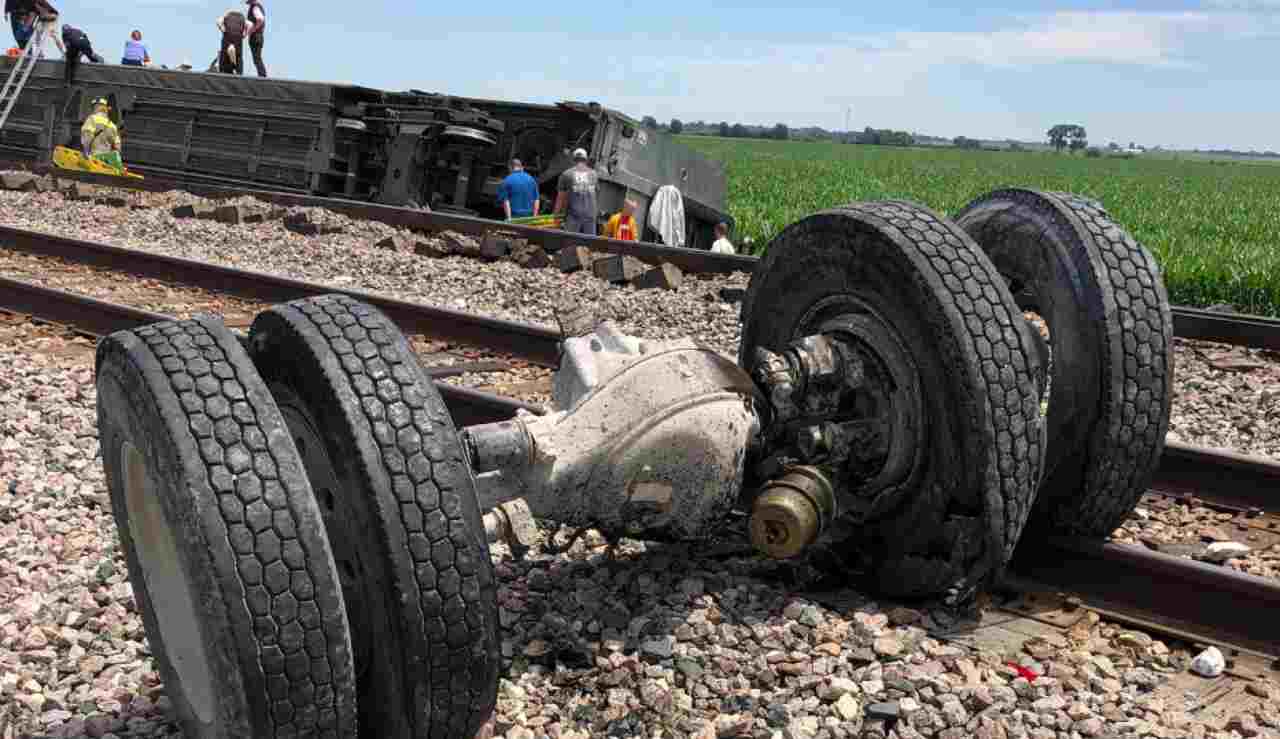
21 71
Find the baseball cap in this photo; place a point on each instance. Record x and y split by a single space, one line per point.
579 153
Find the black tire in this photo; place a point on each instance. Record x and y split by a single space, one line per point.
969 495
402 506
1111 332
230 569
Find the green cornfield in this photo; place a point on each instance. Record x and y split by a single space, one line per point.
1214 226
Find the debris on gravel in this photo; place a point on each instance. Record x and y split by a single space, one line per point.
352 259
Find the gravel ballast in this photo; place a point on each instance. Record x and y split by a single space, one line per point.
641 640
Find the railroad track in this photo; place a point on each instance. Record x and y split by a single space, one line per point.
1189 323
1159 592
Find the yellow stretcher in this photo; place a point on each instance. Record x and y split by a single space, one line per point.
108 164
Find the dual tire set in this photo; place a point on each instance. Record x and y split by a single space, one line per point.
301 526
1017 434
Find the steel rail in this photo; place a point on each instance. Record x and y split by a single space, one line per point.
100 318
1172 595
1238 329
1169 595
537 344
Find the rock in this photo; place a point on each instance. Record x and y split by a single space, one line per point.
1266 691
847 707
113 201
887 710
1221 551
665 276
660 647
904 616
888 646
1050 704
397 243
20 181
1089 727
618 268
574 258
1244 724
836 687
1209 663
954 713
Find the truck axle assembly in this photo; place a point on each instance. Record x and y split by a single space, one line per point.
890 406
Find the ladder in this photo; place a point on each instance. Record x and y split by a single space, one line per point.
21 71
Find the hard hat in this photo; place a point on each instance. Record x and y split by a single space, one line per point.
101 101
579 153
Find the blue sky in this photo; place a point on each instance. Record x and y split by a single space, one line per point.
1185 74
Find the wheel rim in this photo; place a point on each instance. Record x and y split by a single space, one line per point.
166 583
893 389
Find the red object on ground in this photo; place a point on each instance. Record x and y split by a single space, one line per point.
1026 672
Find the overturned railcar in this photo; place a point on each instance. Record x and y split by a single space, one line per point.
409 148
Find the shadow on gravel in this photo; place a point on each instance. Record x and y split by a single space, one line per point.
581 624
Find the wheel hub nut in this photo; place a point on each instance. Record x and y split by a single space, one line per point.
791 512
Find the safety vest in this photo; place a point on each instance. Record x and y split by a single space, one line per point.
98 134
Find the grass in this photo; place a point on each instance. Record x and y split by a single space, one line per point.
1214 226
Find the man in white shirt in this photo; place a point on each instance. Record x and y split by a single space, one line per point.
722 245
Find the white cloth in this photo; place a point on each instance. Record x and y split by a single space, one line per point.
666 215
723 246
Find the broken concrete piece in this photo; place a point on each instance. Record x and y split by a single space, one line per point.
1209 663
20 181
496 246
732 294
574 258
430 247
665 276
233 214
78 191
308 223
618 268
530 256
460 244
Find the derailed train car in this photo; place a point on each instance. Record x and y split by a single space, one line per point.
401 148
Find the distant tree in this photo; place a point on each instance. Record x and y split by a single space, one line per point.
1015 146
1067 134
676 125
781 132
1113 146
1132 145
649 122
738 131
964 142
1092 151
1079 139
724 129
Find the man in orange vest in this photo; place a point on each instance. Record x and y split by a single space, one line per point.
623 225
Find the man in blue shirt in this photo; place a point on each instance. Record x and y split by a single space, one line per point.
518 193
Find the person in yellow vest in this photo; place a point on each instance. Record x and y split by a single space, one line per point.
623 225
99 137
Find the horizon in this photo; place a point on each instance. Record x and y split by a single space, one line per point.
1180 75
